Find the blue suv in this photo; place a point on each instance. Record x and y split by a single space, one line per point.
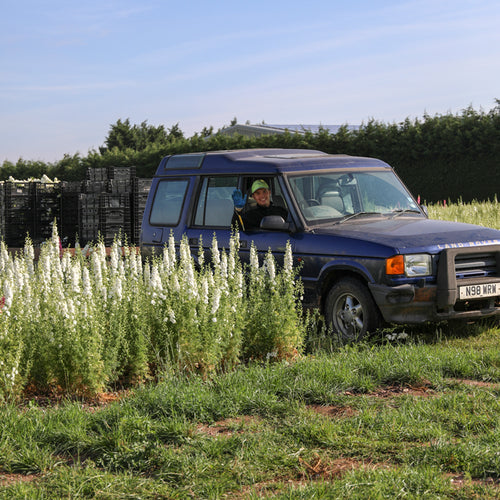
368 253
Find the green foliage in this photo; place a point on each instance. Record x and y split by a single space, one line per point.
78 324
438 157
123 136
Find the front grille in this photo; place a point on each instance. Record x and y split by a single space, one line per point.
480 265
465 266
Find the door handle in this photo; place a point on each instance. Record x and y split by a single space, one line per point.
193 242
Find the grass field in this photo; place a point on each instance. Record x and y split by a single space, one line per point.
410 413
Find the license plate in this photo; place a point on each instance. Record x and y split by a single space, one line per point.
479 291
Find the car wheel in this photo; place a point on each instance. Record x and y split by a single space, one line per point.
350 310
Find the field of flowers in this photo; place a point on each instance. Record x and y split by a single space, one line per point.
80 324
486 213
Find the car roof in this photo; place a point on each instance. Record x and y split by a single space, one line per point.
260 160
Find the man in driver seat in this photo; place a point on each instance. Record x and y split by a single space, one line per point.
248 218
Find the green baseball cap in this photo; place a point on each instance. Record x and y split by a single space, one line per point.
260 184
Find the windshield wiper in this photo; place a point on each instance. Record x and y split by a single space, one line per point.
353 216
396 213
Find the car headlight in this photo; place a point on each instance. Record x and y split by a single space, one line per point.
410 265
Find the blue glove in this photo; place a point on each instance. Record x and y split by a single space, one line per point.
238 200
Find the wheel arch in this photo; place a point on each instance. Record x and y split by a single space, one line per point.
331 274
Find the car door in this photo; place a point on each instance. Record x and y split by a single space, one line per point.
213 215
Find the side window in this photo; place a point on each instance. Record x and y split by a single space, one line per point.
167 203
215 204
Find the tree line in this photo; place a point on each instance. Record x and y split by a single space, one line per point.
440 157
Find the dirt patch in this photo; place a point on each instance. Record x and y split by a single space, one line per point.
6 479
423 389
321 468
334 411
227 427
474 383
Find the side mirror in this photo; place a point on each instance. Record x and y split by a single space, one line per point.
274 223
424 209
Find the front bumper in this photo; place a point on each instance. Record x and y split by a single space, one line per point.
413 304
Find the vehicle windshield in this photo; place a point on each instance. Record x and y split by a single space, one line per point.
339 196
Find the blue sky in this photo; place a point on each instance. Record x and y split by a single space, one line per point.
71 69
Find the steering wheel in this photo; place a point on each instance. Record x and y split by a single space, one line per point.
312 202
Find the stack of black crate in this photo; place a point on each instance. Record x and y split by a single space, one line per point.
19 211
47 202
70 224
115 213
89 204
139 197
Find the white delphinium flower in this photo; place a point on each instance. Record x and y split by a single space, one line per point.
44 269
101 252
188 275
76 277
87 285
4 256
176 286
270 267
71 309
138 265
215 253
63 308
117 288
121 269
204 290
147 273
167 266
254 261
288 263
18 274
185 252
97 269
190 281
29 257
113 261
223 265
201 255
216 300
132 265
155 280
8 293
171 250
239 285
66 263
57 272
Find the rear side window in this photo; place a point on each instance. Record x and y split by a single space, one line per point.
167 203
215 206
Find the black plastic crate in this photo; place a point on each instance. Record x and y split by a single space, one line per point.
71 187
120 186
97 174
142 185
121 173
120 200
18 188
95 186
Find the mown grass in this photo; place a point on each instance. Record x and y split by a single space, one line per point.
417 418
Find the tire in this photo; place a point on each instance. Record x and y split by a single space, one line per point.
351 311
